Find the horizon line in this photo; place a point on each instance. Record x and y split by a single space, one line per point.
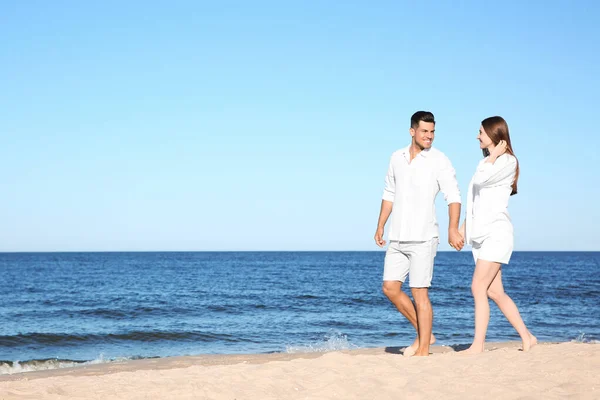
267 251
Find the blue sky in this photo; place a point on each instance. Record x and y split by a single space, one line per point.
190 125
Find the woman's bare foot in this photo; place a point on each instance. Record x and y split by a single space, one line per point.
529 343
412 349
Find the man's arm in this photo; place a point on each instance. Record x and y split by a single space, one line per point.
449 186
387 203
456 240
384 213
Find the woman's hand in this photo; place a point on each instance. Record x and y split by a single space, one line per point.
498 150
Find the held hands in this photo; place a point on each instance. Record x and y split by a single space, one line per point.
455 239
379 237
498 150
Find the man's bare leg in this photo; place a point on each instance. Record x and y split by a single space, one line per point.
424 319
393 291
511 312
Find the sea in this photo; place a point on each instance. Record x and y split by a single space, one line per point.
68 309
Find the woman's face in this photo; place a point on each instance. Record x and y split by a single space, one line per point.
484 140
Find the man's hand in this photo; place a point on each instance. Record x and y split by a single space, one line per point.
456 240
379 237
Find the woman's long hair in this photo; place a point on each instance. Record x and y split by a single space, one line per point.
497 129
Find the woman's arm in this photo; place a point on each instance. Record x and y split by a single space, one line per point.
496 168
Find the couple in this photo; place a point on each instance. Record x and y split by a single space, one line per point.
415 176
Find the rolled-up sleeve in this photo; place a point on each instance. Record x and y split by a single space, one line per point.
389 192
448 183
488 174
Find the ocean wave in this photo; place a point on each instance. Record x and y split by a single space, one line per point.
69 339
367 300
101 312
332 341
583 338
16 367
306 297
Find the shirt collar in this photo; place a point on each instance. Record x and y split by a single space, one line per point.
406 152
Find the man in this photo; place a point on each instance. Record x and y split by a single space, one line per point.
415 176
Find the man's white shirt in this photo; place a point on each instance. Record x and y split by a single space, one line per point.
412 186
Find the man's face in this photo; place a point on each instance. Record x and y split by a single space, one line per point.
423 134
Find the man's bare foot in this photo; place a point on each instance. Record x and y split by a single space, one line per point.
412 349
422 353
528 344
474 349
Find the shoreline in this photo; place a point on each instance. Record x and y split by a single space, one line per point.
550 370
170 362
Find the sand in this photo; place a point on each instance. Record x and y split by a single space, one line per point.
548 371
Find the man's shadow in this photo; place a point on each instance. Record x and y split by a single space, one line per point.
400 350
459 347
395 350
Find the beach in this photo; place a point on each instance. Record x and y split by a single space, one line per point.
503 371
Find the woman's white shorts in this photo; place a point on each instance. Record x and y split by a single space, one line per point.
497 248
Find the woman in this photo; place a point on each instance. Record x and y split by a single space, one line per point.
490 231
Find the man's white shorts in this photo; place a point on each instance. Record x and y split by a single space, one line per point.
412 259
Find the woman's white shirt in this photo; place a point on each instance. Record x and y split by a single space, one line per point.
487 199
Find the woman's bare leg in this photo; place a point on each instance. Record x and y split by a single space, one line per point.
484 274
511 312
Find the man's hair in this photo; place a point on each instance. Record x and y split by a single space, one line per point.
424 116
